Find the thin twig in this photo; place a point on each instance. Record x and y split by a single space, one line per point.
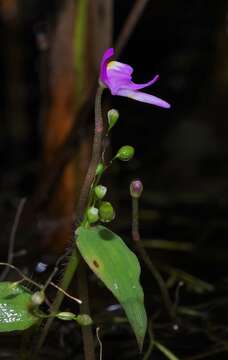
12 237
26 278
56 268
41 287
130 24
67 277
65 293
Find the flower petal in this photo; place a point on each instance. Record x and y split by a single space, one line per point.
119 76
141 86
143 97
103 68
119 67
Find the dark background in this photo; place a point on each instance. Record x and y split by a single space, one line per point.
181 158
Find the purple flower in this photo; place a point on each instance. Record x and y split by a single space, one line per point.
117 77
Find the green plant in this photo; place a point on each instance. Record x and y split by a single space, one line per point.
105 252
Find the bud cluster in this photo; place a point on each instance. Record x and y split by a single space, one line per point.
104 212
101 210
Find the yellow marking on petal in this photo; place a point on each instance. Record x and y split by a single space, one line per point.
113 65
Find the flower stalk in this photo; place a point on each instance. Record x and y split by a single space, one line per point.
144 256
96 154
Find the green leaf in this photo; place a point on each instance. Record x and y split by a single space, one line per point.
118 267
14 307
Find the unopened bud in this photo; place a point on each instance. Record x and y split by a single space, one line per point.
100 191
113 116
84 320
92 214
38 298
100 169
66 315
106 211
136 188
125 153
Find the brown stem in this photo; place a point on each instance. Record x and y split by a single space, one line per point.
82 278
88 341
96 154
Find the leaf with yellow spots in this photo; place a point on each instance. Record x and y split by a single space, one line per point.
118 267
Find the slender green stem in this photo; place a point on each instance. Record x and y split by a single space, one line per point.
67 277
164 350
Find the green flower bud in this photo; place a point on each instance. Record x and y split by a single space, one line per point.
38 298
92 214
84 320
125 153
113 116
106 212
66 315
100 191
100 169
136 188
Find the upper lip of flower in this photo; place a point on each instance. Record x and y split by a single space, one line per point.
117 77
